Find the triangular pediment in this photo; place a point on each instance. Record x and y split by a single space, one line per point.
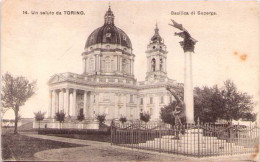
56 78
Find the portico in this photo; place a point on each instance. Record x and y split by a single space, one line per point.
70 101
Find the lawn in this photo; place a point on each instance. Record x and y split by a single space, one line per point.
92 137
19 147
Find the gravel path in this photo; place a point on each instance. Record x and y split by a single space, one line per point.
101 151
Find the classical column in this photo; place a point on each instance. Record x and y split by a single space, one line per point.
188 87
50 104
84 65
74 103
97 109
130 69
67 102
56 101
125 108
96 63
120 63
85 103
61 105
91 110
188 45
53 103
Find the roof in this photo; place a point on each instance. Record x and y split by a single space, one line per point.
108 33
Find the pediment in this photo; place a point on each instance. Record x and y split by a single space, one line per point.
56 78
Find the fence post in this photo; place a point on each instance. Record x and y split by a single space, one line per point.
160 137
198 127
111 132
132 135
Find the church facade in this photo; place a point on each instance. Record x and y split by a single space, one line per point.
107 84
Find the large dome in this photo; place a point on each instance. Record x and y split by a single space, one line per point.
108 33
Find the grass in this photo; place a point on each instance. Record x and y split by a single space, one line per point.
92 137
19 147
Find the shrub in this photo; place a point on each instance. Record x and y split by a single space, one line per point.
81 117
39 116
122 119
101 118
145 116
60 116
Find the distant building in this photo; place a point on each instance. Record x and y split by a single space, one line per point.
10 123
107 84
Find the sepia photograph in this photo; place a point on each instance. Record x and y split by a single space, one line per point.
130 80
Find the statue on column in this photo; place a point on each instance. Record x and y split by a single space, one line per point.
179 110
188 43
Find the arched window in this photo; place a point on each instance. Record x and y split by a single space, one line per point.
107 46
161 64
153 62
107 64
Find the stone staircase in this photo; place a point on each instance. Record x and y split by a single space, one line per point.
192 142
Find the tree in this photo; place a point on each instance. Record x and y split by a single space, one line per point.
60 116
101 118
225 103
236 104
206 103
145 116
15 92
166 114
39 116
122 119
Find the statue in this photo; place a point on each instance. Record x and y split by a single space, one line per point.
178 113
188 44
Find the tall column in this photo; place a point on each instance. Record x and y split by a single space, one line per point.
67 102
91 110
188 87
74 103
56 101
97 103
85 103
61 105
50 104
125 108
53 103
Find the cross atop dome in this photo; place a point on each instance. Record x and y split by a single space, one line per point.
109 16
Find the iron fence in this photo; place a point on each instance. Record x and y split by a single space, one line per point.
190 139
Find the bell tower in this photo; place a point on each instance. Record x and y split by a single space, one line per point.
156 55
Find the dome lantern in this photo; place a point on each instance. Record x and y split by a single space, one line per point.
156 37
109 17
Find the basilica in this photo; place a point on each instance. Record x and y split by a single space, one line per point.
107 84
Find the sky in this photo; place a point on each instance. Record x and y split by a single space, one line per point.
39 46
